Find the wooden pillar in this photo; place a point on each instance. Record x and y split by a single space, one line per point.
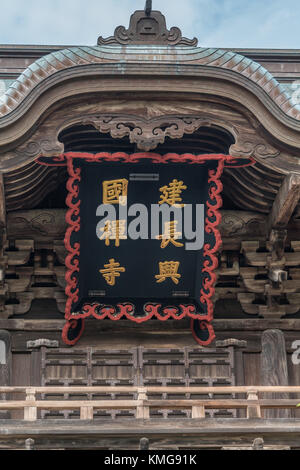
37 347
5 358
5 365
236 347
274 369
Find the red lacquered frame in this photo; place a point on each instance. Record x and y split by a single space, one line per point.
151 310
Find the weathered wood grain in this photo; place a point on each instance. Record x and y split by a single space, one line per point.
109 389
274 370
187 434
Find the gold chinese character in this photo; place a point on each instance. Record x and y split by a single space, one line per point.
172 193
114 230
112 271
115 192
169 269
170 235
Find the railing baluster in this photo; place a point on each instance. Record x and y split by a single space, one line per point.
87 413
30 412
142 411
253 411
29 444
198 412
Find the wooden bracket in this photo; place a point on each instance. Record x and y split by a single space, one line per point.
285 203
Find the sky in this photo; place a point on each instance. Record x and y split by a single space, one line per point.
216 23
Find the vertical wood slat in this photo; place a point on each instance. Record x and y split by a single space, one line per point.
36 368
253 411
239 374
30 412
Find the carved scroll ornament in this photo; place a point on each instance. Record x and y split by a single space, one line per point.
146 134
252 146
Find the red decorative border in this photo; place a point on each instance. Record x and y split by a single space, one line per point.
203 325
126 310
121 157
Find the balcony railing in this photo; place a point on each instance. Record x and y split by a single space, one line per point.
35 399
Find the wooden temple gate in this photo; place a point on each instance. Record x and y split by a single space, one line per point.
153 93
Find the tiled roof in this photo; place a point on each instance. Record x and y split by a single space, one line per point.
80 56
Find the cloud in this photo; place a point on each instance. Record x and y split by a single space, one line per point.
217 23
256 24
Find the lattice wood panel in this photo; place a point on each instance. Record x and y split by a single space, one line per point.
187 367
90 367
138 366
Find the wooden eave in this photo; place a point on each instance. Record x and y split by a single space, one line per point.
122 56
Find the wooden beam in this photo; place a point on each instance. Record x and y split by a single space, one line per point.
129 389
30 327
220 404
285 202
234 324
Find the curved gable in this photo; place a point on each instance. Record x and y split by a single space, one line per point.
175 56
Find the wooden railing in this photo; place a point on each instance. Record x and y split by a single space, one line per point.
253 404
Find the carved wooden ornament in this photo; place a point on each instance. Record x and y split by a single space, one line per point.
148 27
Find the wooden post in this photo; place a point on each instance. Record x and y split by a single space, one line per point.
258 444
253 411
198 412
142 411
87 413
274 369
144 444
30 412
5 367
29 444
235 347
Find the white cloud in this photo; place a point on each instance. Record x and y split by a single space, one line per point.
255 24
217 23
